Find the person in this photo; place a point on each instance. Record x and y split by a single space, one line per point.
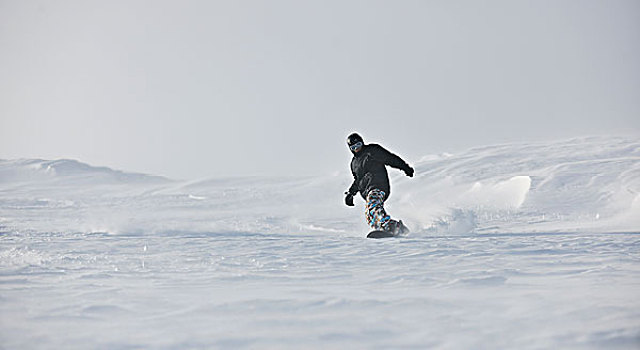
368 167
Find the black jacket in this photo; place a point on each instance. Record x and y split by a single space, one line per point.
369 172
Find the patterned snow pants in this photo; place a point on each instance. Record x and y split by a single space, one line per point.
377 218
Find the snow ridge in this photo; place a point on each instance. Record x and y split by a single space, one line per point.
65 170
590 184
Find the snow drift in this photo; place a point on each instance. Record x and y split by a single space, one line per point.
581 184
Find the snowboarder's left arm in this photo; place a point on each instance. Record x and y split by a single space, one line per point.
392 160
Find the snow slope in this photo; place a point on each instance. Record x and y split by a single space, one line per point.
512 246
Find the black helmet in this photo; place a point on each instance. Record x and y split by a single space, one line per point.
353 139
355 142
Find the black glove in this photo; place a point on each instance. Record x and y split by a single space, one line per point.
348 200
409 171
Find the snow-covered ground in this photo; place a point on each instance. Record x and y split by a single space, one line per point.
512 246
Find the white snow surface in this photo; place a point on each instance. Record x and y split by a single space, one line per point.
512 246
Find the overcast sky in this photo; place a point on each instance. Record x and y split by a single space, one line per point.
191 89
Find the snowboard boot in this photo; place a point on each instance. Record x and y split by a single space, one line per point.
401 229
396 227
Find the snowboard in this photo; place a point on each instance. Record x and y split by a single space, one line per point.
380 234
386 234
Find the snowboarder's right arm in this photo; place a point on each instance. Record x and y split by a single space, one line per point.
353 190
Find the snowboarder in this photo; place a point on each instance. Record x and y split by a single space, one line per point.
372 181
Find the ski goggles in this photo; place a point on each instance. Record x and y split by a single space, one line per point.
356 146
